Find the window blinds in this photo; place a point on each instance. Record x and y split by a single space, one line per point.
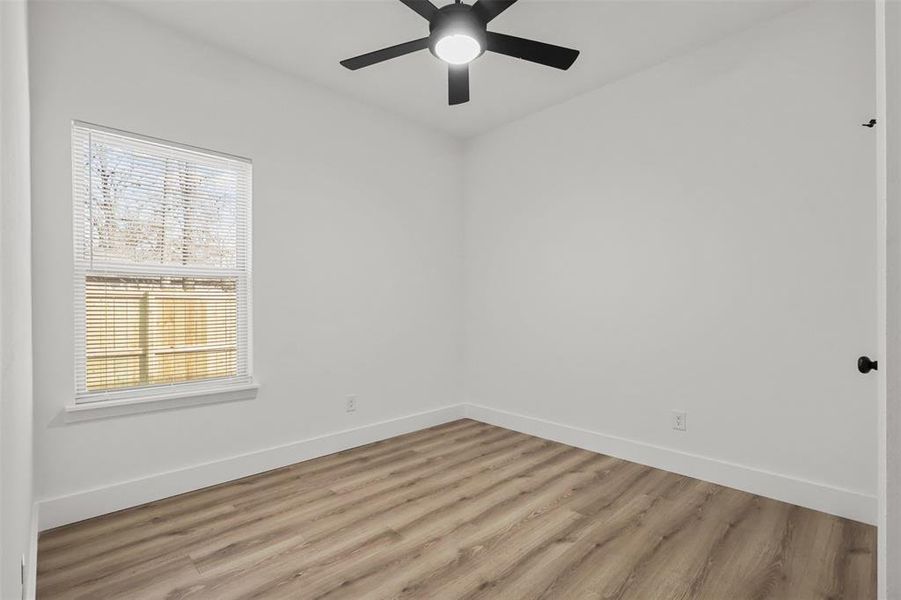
162 265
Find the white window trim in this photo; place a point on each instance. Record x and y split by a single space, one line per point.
149 402
84 407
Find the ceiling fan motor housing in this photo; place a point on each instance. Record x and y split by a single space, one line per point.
456 19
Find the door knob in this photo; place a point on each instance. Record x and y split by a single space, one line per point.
865 365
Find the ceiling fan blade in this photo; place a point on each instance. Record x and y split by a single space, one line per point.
537 52
377 56
488 9
425 8
457 84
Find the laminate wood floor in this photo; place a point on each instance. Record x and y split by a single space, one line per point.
463 510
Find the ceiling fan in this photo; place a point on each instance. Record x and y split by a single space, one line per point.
458 34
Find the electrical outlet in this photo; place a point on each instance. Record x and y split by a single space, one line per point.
679 420
351 404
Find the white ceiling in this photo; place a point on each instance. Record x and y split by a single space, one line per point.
307 38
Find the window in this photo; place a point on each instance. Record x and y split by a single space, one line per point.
162 267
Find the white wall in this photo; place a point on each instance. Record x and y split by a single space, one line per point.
15 303
699 236
357 246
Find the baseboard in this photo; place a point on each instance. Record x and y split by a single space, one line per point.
31 561
62 510
818 496
71 508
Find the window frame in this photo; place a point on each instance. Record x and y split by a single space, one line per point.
100 404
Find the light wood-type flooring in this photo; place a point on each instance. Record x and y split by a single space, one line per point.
462 510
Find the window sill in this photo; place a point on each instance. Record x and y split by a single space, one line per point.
103 409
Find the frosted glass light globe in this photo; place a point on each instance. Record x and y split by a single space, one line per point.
457 49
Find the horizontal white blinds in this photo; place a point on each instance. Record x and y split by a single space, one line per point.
162 264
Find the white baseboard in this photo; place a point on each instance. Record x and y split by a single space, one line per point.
31 561
810 494
98 501
54 512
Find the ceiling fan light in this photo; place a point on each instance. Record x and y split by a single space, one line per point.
457 49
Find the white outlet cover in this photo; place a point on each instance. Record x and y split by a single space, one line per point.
680 420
